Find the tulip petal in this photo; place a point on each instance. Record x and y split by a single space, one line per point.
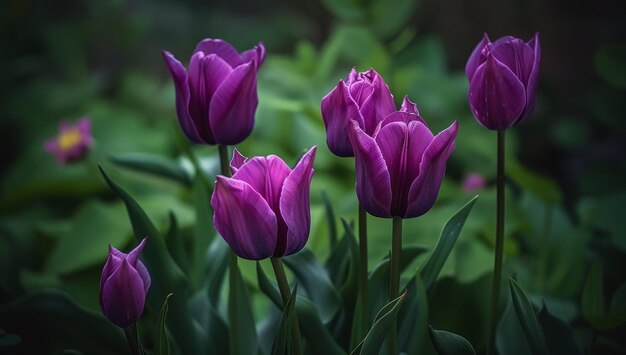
294 204
516 55
408 106
533 78
266 176
202 87
123 296
497 97
133 260
425 188
244 219
257 53
233 106
236 161
373 186
476 58
392 139
400 116
352 76
222 48
338 109
378 105
179 74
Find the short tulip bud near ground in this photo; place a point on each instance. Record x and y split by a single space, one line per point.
216 98
503 77
263 210
124 285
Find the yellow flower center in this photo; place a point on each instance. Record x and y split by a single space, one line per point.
69 139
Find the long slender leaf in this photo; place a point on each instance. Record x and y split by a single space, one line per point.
175 245
161 341
431 269
330 216
413 317
245 319
166 275
282 341
447 343
154 165
528 320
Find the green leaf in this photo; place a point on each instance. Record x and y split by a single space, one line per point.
154 165
161 341
593 303
166 275
560 337
528 320
448 343
413 317
431 268
217 262
316 282
282 341
543 187
175 245
246 327
382 323
330 217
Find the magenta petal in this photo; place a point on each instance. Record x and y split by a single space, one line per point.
373 186
294 204
222 48
338 109
497 97
516 55
409 107
133 260
392 139
236 161
233 106
244 219
123 296
400 116
425 188
533 78
352 76
182 97
378 105
257 53
266 176
476 58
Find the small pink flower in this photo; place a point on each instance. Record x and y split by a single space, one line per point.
72 142
474 182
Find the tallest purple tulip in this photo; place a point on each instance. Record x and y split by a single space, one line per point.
503 77
216 97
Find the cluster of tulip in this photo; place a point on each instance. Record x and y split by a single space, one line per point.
261 205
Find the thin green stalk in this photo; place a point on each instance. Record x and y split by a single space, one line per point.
132 337
497 266
234 270
394 276
363 280
285 292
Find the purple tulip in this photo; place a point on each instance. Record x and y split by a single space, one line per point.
263 210
474 182
217 97
72 142
399 168
364 98
503 78
124 285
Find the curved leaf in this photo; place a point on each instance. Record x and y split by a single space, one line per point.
413 317
161 341
528 320
447 343
560 337
282 341
154 165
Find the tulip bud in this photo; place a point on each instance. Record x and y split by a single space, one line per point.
216 98
72 142
124 285
364 98
503 78
263 210
399 169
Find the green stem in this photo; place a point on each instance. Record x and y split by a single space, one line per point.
394 276
363 273
497 266
234 270
133 339
285 292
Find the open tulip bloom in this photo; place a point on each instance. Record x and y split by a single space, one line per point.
124 285
400 167
216 98
363 97
503 77
263 210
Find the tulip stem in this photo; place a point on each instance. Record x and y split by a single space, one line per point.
363 274
285 292
394 277
234 270
497 266
132 337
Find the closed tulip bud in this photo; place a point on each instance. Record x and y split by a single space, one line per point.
263 210
503 78
216 98
399 169
124 285
364 98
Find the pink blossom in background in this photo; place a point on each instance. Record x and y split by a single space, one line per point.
474 182
72 142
